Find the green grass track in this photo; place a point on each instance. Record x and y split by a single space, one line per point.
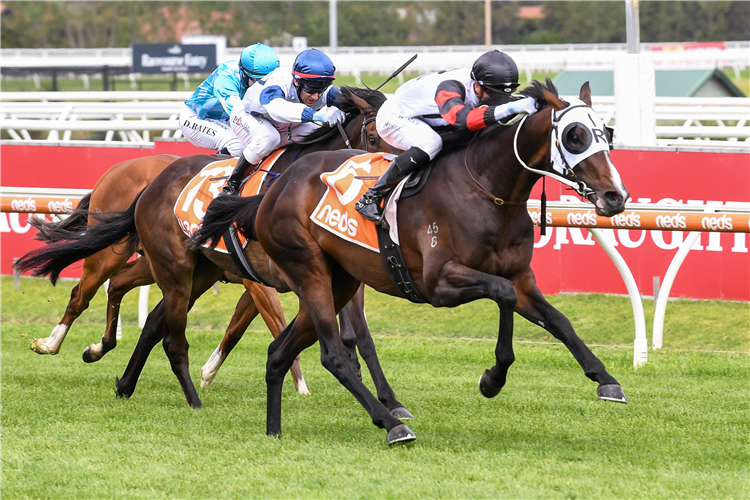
684 434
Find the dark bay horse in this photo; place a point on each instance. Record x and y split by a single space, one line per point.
184 275
466 236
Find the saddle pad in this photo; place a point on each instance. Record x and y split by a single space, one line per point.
335 211
204 187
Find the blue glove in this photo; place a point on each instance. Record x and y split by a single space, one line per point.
331 116
526 105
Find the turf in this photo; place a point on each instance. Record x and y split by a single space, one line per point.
684 433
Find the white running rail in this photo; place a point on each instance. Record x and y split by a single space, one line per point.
138 116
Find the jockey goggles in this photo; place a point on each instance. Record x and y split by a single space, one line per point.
313 86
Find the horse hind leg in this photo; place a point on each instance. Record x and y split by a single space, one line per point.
349 338
366 347
133 274
267 301
96 270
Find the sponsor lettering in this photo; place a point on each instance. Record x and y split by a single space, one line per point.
676 221
536 218
626 220
717 223
582 219
60 207
27 205
336 219
188 60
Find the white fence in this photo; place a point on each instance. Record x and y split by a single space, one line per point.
384 60
139 116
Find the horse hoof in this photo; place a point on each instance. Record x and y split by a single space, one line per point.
91 354
400 434
402 413
39 347
611 392
119 393
486 388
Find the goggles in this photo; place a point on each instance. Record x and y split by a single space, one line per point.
312 86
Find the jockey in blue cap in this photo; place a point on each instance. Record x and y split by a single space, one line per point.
205 119
462 99
304 96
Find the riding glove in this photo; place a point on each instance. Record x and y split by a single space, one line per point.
526 105
331 116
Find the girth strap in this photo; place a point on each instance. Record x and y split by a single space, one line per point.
394 263
238 256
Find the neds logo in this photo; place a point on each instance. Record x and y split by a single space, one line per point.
536 218
27 205
334 218
630 220
676 221
582 219
60 207
717 223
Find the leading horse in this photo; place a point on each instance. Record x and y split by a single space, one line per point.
465 236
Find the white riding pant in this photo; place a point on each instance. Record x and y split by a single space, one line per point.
405 132
262 135
209 133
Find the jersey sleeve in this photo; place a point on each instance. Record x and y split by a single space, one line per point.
281 110
227 91
450 98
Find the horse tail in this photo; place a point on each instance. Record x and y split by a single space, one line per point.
52 258
222 213
70 228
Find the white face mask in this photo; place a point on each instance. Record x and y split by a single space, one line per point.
595 132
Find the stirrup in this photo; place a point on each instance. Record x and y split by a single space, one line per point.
369 208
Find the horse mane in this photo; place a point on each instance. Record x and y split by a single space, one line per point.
374 98
536 90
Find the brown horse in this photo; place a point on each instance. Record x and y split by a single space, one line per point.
457 244
184 275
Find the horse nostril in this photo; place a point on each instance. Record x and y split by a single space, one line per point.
613 198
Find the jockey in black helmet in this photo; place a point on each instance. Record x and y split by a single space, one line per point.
447 98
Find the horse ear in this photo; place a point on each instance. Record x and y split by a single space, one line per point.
585 93
361 103
555 102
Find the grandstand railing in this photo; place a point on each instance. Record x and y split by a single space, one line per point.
714 217
137 116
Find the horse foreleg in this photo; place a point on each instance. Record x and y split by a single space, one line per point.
132 275
459 284
267 301
534 307
96 270
366 348
244 313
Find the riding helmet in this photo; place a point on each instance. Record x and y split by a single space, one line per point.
495 69
258 60
314 70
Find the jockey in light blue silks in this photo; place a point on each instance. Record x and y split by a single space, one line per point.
280 99
205 118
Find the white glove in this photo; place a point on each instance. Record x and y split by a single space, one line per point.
526 105
331 116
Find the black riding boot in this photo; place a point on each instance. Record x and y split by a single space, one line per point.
233 183
404 164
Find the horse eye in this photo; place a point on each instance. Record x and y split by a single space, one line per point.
373 141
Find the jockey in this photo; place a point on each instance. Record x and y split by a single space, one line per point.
456 98
205 119
269 108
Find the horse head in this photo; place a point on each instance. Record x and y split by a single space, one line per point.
579 152
366 102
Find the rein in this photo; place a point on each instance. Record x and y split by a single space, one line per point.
496 200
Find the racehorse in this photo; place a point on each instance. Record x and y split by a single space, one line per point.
181 274
465 236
